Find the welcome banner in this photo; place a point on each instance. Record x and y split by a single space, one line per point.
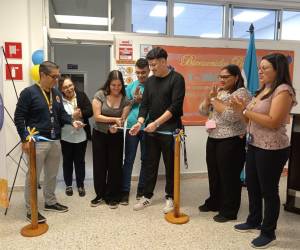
200 68
3 171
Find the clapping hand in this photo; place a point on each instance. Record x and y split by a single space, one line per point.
238 104
77 115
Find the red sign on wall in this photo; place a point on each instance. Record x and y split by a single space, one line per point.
16 72
13 50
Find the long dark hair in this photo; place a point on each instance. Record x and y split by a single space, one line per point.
113 75
281 65
235 71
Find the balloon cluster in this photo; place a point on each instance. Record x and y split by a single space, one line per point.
37 58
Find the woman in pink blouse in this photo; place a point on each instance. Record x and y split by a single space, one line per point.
268 146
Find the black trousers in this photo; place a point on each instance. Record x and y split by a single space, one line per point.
263 171
225 160
157 144
107 164
73 153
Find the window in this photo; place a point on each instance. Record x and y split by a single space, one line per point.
149 16
262 19
198 20
290 25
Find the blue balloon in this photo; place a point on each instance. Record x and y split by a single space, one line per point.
37 57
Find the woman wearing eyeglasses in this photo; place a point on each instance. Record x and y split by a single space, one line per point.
74 141
225 148
268 146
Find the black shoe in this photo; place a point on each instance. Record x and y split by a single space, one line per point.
41 218
206 208
113 204
96 202
81 191
245 227
221 219
262 242
69 190
56 208
124 199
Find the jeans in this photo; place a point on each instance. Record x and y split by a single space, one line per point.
131 144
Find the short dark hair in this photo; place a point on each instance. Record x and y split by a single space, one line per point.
281 65
114 75
142 63
61 81
235 71
157 53
47 66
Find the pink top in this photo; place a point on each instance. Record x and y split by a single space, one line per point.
267 138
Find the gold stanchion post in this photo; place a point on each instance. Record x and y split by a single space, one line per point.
175 216
35 228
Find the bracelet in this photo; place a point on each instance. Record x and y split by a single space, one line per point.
156 124
244 112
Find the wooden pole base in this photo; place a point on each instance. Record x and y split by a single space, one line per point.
29 231
181 219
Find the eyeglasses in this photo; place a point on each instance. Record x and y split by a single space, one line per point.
55 77
224 77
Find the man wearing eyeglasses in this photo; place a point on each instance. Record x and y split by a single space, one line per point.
40 106
134 93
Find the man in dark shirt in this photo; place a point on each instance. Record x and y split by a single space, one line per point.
162 102
40 106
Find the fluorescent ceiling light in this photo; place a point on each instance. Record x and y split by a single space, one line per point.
148 31
250 16
161 11
84 20
211 35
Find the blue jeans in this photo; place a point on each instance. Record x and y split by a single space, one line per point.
131 144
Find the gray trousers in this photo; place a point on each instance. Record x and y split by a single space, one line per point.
47 157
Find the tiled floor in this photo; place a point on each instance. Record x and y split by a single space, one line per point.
84 227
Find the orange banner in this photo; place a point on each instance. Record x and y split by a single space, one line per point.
200 68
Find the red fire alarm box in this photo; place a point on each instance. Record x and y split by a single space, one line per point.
16 72
13 50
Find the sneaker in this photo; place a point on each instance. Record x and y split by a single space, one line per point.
41 218
143 202
81 191
56 208
125 199
139 196
96 202
69 190
113 204
245 227
221 219
169 206
206 208
262 242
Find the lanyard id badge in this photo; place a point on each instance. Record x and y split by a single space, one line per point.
49 102
210 123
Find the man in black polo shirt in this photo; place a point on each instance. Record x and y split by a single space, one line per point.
162 102
40 106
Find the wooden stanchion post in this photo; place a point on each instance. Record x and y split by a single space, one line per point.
35 228
175 216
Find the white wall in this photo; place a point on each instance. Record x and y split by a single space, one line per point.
20 21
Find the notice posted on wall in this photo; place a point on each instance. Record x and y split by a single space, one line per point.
128 72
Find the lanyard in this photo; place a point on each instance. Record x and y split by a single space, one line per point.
49 102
